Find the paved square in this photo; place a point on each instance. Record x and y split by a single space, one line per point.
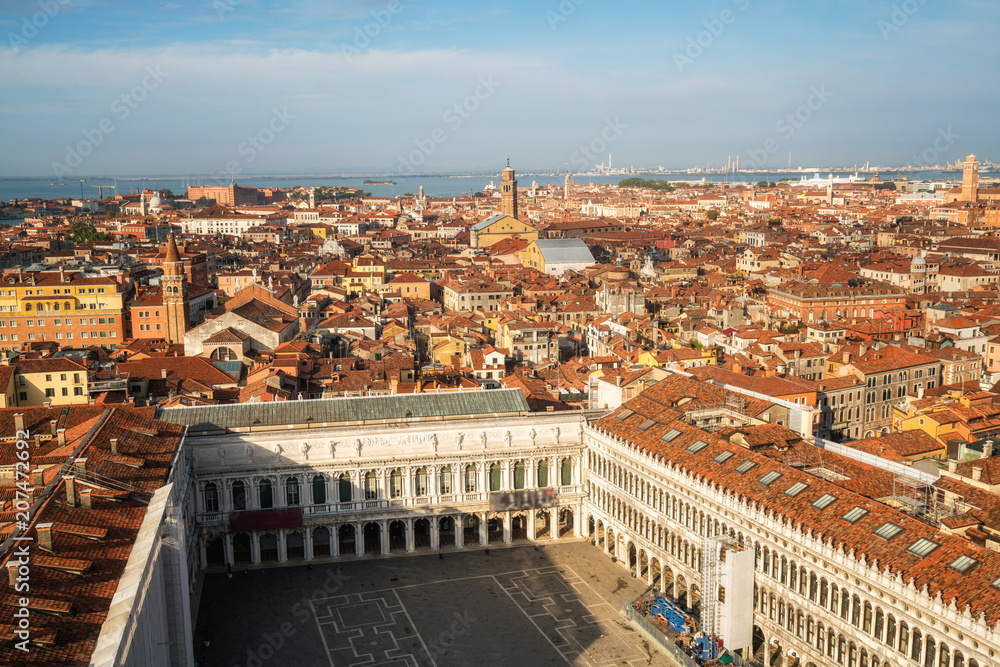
555 606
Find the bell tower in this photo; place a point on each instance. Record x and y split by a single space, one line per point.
508 191
970 179
175 294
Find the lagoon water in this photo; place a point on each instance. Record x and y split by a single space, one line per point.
434 185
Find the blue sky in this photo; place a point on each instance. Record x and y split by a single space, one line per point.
94 87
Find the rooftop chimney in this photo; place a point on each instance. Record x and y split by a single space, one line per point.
45 537
977 474
37 477
988 449
18 422
114 445
85 500
952 465
163 373
81 465
61 434
53 424
12 573
847 357
70 490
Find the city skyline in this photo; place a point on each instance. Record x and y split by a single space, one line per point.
389 87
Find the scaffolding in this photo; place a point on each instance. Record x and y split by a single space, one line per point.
924 501
711 563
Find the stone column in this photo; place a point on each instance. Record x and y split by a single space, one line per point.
580 526
506 527
531 524
282 546
410 538
384 541
228 537
531 474
334 539
435 532
203 552
484 531
307 541
767 652
459 522
408 488
254 547
359 540
554 523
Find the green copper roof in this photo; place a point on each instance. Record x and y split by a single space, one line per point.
362 409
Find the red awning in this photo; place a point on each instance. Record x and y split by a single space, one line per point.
265 519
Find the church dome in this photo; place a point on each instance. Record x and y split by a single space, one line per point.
155 202
918 260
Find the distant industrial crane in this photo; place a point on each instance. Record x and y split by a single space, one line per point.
100 190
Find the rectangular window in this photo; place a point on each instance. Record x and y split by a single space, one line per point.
625 414
746 466
963 564
796 489
923 547
770 478
855 514
888 530
697 446
723 457
670 435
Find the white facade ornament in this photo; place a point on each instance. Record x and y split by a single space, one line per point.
305 450
461 439
434 442
279 451
531 434
482 436
222 455
249 453
360 445
508 438
333 448
556 433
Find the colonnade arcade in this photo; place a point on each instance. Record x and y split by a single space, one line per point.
807 611
378 507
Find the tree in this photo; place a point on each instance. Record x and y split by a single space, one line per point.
771 184
202 201
654 184
712 214
167 193
761 184
84 232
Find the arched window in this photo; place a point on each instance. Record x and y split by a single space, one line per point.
265 494
567 472
495 473
371 486
319 490
27 307
345 491
292 492
445 480
396 484
239 495
420 483
543 474
470 478
519 475
211 497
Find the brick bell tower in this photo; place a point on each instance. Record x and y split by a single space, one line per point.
970 179
175 294
508 191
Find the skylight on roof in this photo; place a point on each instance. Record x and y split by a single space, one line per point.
670 435
963 564
922 547
855 514
625 414
888 530
824 501
646 424
697 446
796 489
770 478
746 466
723 457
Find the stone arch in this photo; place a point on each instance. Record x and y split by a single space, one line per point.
372 535
242 550
215 550
347 539
295 545
321 542
268 543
